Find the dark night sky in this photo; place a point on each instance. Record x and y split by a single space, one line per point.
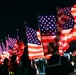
14 13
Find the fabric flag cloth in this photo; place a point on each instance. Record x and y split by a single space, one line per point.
73 31
59 39
35 48
61 20
16 45
11 42
19 44
4 53
48 27
22 45
67 27
19 48
8 48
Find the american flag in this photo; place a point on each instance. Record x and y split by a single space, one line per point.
35 49
16 46
67 28
18 49
61 20
73 12
22 45
69 23
48 26
48 29
11 42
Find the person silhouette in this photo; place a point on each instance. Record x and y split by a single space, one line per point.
58 65
5 67
14 67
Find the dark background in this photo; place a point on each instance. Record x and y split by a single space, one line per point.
14 13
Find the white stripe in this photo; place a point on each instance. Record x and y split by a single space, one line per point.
74 14
66 31
74 33
35 50
75 21
35 45
70 35
38 35
37 54
74 25
73 8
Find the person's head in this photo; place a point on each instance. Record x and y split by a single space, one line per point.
55 50
13 58
51 45
6 60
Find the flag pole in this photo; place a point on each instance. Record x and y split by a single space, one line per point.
7 36
31 63
6 44
17 34
59 33
57 12
40 33
41 41
1 46
56 42
57 39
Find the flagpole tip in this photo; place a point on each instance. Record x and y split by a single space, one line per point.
8 35
17 29
57 8
25 22
1 40
5 37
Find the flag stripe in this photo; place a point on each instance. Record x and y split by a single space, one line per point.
73 32
48 27
35 48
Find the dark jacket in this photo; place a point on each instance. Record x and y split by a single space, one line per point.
14 68
58 65
4 69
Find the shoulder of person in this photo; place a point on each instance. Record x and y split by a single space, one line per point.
64 58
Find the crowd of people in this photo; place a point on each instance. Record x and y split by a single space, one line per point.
56 65
10 66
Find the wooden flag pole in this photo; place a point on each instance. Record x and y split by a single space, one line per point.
58 32
42 43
